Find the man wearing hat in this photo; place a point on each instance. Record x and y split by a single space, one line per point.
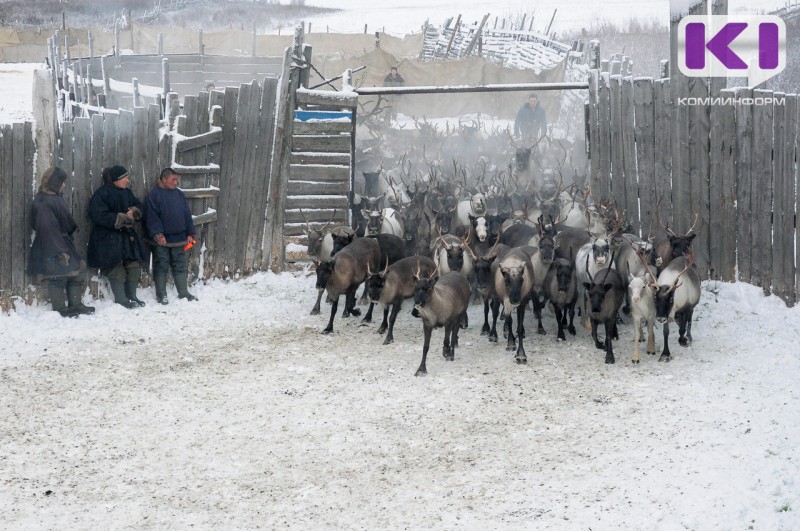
114 246
393 79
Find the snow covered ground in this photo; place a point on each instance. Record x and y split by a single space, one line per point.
235 412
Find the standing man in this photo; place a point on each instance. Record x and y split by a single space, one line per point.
393 79
168 221
531 123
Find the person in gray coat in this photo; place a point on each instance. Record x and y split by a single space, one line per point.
53 259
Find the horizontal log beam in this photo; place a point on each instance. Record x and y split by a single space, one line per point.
206 217
342 100
324 143
194 142
319 172
194 170
311 157
199 193
317 216
322 128
318 188
338 202
463 89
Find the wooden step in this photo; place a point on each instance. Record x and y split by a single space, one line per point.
338 202
317 188
316 157
323 143
319 172
317 216
322 128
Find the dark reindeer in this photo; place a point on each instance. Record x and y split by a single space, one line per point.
438 303
605 293
677 293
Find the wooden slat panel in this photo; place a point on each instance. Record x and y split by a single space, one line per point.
322 128
322 143
602 189
699 126
783 212
27 200
333 201
140 154
594 154
65 157
321 158
319 172
315 188
617 181
645 152
225 202
722 192
81 186
109 158
255 252
786 243
247 123
96 178
663 118
631 205
6 202
744 150
19 220
761 190
124 139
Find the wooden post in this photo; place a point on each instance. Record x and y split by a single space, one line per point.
200 42
644 132
452 36
106 82
664 68
136 102
253 53
475 36
604 65
365 29
551 21
116 39
165 77
305 72
91 45
160 44
761 189
744 178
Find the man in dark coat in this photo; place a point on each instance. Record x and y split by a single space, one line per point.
531 122
53 257
393 79
168 221
114 246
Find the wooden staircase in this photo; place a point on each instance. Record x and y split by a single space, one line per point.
319 176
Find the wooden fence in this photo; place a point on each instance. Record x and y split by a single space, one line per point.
730 159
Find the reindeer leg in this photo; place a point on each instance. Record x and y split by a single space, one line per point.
334 307
454 340
520 357
610 325
560 318
493 331
384 323
682 324
447 352
689 315
392 318
637 338
363 300
315 309
538 305
485 329
651 338
665 355
422 371
351 294
368 318
571 327
597 343
509 328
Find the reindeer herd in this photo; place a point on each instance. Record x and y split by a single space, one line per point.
507 242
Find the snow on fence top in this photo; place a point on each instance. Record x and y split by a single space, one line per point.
514 48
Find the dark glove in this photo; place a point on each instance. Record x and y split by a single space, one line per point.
135 213
123 221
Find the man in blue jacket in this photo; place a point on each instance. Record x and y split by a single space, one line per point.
531 122
169 224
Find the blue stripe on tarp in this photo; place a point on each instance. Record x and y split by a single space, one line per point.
304 116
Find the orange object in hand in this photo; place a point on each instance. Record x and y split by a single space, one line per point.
189 245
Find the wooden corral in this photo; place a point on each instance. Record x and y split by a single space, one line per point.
730 160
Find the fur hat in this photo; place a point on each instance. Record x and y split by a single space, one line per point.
52 179
114 174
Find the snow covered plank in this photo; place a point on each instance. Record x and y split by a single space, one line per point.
343 100
201 140
338 202
199 193
722 190
6 203
317 215
322 143
319 172
317 188
322 128
206 217
180 169
311 157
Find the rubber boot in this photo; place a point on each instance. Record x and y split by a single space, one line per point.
130 292
118 289
58 297
74 296
181 283
161 289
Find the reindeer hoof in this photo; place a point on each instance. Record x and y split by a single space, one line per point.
521 360
682 341
609 361
355 311
510 347
652 353
381 330
388 340
635 362
421 372
366 320
641 340
599 345
541 331
315 311
571 330
664 358
562 337
327 331
492 338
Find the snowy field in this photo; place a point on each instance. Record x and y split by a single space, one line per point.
234 412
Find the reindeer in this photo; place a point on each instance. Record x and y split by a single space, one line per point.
605 294
394 284
668 245
320 246
642 293
560 287
513 281
438 303
678 292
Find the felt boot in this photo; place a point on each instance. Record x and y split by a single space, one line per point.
58 297
181 284
160 282
118 289
74 299
130 292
